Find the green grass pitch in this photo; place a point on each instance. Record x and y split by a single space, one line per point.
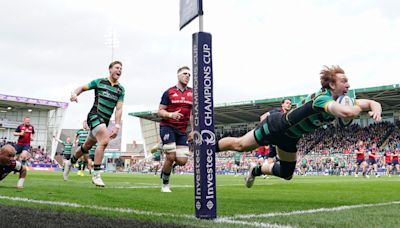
309 201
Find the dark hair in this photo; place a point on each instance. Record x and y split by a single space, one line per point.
283 100
183 68
328 75
114 63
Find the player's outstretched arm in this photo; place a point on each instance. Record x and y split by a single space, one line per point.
265 115
374 108
58 140
77 92
343 111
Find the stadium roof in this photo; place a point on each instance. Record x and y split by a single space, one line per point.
17 102
250 111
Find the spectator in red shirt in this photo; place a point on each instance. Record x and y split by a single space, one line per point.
26 134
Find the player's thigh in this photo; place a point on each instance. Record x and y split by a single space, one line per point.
248 141
24 154
90 141
289 154
101 134
182 154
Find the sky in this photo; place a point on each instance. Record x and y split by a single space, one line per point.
261 48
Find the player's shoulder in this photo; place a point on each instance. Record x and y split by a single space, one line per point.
98 80
170 90
121 87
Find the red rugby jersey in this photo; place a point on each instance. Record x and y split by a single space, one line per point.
388 156
175 100
361 156
395 156
26 138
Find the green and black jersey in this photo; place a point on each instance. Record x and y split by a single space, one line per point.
311 114
285 129
106 98
67 147
82 134
237 156
93 150
157 155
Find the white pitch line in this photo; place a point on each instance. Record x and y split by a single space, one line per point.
311 211
173 186
76 205
256 224
134 211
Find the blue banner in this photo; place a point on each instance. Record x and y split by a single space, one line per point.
204 134
188 11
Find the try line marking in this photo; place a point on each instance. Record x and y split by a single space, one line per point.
134 211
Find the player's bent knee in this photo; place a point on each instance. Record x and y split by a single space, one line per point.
287 169
286 156
182 152
181 161
103 143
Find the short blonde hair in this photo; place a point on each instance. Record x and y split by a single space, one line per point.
183 68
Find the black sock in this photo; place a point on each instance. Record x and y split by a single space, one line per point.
217 147
284 169
74 159
96 167
165 177
256 171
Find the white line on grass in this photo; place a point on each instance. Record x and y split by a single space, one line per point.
173 186
133 211
76 205
257 224
311 211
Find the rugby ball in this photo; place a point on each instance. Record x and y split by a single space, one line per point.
345 100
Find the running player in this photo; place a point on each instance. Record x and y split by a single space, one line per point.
395 159
90 158
303 166
26 134
360 159
68 144
372 163
176 112
109 95
156 151
80 139
237 158
285 129
388 162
